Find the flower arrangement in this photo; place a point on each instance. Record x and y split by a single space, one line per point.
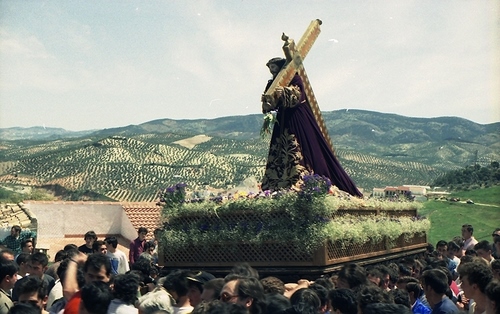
305 218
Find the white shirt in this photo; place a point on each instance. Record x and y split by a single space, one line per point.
119 262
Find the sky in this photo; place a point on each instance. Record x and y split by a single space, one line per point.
82 65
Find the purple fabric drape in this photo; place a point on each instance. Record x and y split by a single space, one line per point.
317 157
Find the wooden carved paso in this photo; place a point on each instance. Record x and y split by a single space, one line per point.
295 54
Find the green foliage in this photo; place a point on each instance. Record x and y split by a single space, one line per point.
40 195
471 177
7 196
285 218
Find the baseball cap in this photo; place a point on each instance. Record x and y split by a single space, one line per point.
200 276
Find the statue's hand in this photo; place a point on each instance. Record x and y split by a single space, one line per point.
278 92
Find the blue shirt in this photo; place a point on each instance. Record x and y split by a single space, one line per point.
446 306
420 308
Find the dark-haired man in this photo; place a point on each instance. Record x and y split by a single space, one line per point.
8 278
483 250
467 235
343 301
90 237
13 241
118 259
96 297
246 291
33 290
435 285
37 265
96 267
137 246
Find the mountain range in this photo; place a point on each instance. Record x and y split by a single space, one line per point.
131 163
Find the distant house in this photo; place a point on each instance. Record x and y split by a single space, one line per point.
396 191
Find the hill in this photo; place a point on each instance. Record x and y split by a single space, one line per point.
482 215
131 163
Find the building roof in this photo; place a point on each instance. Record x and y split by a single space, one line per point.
144 214
14 215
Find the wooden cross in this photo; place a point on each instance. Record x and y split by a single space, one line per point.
295 54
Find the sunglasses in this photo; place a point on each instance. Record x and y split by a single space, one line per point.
226 297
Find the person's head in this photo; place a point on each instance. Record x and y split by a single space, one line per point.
8 274
176 283
459 241
343 301
277 302
483 249
149 247
467 231
27 246
125 287
37 264
32 289
25 308
475 277
111 243
273 285
493 294
414 291
401 296
22 262
60 255
99 246
275 65
442 247
142 233
351 276
453 250
61 273
496 243
322 294
97 267
470 252
244 290
196 280
212 289
89 238
495 267
244 269
386 276
158 300
96 297
370 294
403 281
305 301
70 246
418 267
434 281
7 254
15 231
375 276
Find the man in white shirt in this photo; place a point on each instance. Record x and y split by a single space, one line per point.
118 259
469 240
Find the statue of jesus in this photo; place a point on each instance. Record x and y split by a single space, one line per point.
297 146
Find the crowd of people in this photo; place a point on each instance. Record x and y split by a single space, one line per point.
457 276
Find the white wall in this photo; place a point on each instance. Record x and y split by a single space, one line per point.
55 220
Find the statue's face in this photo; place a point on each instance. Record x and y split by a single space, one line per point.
274 69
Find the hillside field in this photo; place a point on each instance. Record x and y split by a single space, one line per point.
448 217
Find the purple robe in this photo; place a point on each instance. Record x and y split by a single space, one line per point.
299 148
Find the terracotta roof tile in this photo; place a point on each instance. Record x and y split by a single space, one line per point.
142 214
